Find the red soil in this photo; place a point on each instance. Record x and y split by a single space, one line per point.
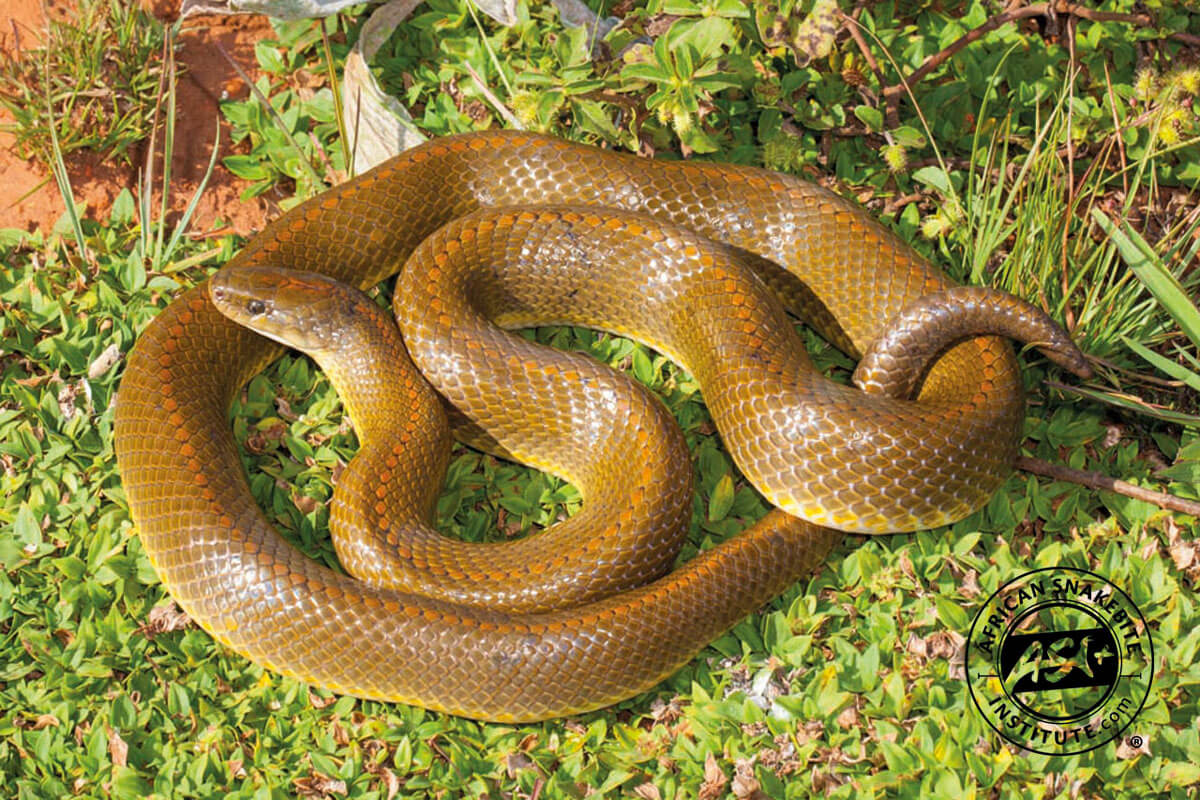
30 197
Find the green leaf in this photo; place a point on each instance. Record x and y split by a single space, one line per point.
908 136
596 119
26 529
935 178
870 116
721 500
1182 774
269 58
952 614
1133 404
248 167
643 369
122 209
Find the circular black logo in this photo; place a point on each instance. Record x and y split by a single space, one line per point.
1059 661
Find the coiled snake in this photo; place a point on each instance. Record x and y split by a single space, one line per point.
504 230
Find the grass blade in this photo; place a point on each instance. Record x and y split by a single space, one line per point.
1176 371
191 206
64 188
62 179
1129 403
1149 268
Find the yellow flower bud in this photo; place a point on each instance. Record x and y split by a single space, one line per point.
896 157
1145 85
934 227
1189 80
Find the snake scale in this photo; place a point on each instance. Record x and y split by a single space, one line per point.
503 230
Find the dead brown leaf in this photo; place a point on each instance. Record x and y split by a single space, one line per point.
118 751
104 362
284 410
648 791
1126 751
165 619
515 763
745 786
390 782
968 585
945 644
714 779
664 711
66 401
849 718
318 785
340 737
38 723
1183 554
306 504
659 24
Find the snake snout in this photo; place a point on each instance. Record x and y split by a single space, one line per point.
296 308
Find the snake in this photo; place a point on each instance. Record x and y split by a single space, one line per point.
498 230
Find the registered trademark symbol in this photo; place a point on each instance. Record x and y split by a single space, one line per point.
1059 661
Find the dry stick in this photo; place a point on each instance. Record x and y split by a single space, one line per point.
1064 242
1096 480
897 203
1112 105
892 94
852 25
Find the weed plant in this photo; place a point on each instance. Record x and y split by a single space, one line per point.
92 82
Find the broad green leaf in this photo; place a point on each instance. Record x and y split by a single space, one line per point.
870 116
722 499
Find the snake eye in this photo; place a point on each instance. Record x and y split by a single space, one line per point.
256 307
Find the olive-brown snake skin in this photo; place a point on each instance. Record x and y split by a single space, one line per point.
510 229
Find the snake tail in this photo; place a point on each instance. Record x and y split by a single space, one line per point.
913 340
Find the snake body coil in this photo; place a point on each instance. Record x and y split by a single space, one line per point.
585 237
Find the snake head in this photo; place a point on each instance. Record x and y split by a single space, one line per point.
304 310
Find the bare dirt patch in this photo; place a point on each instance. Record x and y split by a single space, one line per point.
30 197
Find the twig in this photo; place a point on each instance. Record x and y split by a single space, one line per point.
892 94
339 110
852 25
1120 140
1096 480
897 203
1064 245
